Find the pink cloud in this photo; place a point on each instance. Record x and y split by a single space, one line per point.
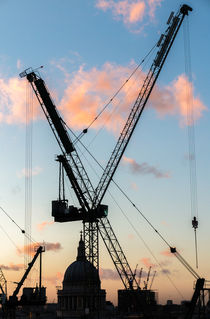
24 173
86 92
134 186
131 236
153 4
147 262
85 95
173 100
13 101
30 249
11 266
131 12
89 90
144 168
43 225
167 253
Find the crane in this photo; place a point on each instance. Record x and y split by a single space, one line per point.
91 211
11 304
152 280
140 275
3 287
147 280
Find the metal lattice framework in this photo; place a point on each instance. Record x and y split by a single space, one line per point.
3 283
165 44
116 253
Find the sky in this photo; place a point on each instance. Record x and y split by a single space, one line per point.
88 49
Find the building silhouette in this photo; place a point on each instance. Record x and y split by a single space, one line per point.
81 296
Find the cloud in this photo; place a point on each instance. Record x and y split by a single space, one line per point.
143 274
19 64
109 274
144 168
165 271
134 186
24 173
131 12
30 249
43 225
174 100
131 236
167 253
147 262
152 6
13 101
12 266
87 92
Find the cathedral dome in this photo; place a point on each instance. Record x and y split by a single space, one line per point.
81 272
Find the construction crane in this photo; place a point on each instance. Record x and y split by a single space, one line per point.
140 275
199 285
152 280
91 211
147 280
13 302
3 287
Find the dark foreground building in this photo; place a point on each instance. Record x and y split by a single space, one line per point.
136 301
81 295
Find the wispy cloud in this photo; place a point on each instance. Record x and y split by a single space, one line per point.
43 225
13 101
30 249
153 4
165 271
147 262
134 186
11 266
131 236
19 64
144 168
25 173
131 12
87 91
108 274
174 100
167 253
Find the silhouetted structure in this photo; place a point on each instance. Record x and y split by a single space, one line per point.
81 295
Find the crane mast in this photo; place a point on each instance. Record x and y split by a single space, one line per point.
92 212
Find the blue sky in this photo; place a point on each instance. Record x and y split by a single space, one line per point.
88 48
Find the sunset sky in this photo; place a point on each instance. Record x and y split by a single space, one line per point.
88 49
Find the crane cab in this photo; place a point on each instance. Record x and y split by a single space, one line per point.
62 213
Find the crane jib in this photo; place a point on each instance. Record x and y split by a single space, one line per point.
165 45
52 112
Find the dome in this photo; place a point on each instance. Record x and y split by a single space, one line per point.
81 272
